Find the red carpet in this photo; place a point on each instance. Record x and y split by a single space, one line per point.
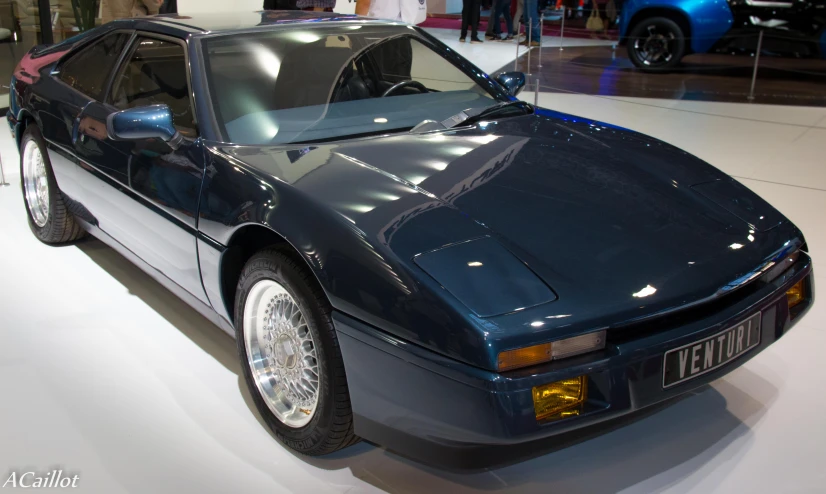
548 30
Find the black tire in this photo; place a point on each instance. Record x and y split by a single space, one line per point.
331 427
652 33
61 226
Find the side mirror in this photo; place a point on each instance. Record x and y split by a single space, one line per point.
513 82
144 122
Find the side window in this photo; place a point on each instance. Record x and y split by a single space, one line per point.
88 70
156 74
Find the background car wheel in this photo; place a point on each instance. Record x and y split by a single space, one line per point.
49 219
656 44
290 356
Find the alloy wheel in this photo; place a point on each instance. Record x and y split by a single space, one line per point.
657 47
36 183
281 353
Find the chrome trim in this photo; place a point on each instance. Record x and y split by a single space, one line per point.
765 3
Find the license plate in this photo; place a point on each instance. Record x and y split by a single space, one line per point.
706 355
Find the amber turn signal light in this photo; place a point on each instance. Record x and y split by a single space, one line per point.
539 354
558 397
795 294
524 357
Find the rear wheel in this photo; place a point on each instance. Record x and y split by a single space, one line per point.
290 355
49 219
656 44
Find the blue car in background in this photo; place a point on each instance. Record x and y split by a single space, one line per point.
659 33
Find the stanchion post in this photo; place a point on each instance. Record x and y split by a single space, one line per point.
528 44
541 28
3 182
516 38
536 93
756 63
562 31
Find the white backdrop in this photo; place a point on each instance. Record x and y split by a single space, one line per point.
207 6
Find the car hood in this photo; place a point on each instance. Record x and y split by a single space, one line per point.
610 219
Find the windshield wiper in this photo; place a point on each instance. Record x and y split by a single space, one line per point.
471 116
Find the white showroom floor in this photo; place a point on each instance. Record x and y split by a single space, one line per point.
103 373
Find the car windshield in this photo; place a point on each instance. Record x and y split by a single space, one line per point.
299 84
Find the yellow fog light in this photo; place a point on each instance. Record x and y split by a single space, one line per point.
553 398
795 294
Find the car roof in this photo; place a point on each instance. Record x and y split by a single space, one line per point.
207 24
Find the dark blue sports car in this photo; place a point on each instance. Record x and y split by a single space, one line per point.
404 251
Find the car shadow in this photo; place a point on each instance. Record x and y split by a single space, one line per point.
189 322
647 451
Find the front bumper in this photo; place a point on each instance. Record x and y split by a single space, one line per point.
444 412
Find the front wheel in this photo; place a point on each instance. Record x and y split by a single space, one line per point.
290 356
49 219
656 44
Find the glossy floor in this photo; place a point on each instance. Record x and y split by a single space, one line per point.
606 70
104 373
493 55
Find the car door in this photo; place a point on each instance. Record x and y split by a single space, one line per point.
144 193
78 79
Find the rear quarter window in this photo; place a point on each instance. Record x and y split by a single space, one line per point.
88 70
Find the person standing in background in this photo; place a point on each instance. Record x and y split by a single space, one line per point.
169 7
569 8
501 8
470 17
491 20
121 9
587 6
316 5
530 14
280 5
362 7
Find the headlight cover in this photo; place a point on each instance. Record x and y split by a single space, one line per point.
738 200
485 277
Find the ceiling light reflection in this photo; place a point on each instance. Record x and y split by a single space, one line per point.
483 139
648 290
269 63
305 37
474 264
362 208
385 197
459 150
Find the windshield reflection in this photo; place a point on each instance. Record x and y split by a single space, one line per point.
316 84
